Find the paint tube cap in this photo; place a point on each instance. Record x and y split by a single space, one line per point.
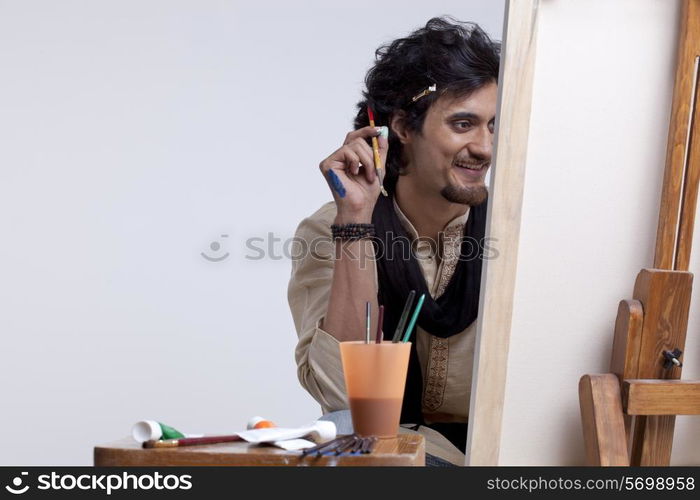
146 430
259 423
324 431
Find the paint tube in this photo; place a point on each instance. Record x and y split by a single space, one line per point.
319 431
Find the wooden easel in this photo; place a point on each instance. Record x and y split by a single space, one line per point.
628 415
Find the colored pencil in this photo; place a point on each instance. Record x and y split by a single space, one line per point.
412 323
404 317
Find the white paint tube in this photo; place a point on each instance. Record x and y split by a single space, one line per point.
319 431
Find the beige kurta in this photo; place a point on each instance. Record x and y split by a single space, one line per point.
446 364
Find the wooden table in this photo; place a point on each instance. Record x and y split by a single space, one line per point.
404 450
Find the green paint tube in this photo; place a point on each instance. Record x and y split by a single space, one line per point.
146 430
170 433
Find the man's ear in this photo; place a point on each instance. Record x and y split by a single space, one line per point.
398 126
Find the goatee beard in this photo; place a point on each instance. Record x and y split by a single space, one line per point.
471 196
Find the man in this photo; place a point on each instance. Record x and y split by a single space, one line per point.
435 93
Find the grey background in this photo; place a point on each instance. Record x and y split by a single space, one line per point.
133 134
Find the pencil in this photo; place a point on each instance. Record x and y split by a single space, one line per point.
375 149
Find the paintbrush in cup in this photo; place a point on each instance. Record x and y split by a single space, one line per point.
404 317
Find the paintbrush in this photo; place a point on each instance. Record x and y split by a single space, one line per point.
176 443
380 320
368 321
375 150
404 317
329 445
347 446
368 444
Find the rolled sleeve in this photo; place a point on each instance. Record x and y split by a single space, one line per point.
322 373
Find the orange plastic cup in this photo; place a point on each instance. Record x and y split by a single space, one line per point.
375 379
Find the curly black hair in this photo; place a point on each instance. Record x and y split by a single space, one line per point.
458 57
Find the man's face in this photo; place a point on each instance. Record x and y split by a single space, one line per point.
453 152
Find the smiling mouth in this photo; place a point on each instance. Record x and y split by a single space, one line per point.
475 167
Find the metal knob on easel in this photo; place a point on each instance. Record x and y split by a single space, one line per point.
672 358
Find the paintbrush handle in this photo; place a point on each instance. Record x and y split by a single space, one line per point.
375 149
377 158
176 443
398 334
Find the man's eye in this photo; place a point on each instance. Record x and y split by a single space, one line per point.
463 125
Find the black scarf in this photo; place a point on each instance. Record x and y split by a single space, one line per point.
450 314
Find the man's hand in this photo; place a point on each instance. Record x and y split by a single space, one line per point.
350 173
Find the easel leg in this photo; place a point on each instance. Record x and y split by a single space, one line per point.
653 440
603 423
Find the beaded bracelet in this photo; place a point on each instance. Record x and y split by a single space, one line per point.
352 231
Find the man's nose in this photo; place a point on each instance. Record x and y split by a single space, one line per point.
481 145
